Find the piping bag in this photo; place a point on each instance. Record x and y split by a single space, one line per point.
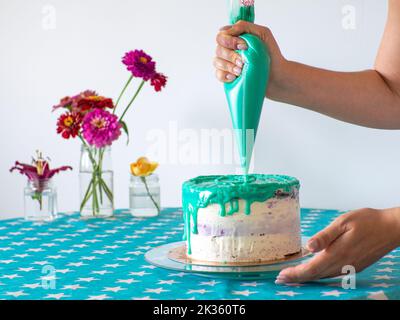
246 93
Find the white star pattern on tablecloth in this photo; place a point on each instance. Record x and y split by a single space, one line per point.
382 285
114 289
245 293
32 285
91 258
143 298
99 297
127 281
73 287
26 269
76 264
377 295
384 277
201 291
16 294
139 274
251 284
63 271
115 265
104 259
56 296
386 270
24 255
288 293
333 293
11 276
211 283
157 291
101 272
180 274
387 263
90 279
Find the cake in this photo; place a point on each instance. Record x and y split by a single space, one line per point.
241 219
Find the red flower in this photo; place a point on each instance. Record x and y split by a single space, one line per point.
94 102
70 103
158 81
69 125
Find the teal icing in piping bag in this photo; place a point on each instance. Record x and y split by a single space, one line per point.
246 94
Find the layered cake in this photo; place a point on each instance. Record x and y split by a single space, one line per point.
241 219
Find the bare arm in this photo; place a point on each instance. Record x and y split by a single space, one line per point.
369 98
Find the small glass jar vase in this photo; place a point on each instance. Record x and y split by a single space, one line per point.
40 201
96 183
144 196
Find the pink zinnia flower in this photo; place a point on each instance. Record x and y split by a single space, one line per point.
140 64
158 81
101 128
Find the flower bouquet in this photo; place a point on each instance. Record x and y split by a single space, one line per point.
92 119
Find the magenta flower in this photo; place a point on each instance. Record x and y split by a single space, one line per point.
101 128
39 173
140 64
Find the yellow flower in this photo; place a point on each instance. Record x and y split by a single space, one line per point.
143 167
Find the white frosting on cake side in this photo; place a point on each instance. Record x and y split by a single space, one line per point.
270 232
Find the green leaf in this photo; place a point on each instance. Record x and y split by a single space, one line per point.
125 128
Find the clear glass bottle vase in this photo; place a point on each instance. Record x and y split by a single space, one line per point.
96 181
40 201
144 196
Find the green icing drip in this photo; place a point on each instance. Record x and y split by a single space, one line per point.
222 190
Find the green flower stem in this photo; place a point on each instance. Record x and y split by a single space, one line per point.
88 194
39 197
132 100
149 193
122 92
97 184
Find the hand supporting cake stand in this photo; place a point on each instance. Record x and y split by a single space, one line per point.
171 257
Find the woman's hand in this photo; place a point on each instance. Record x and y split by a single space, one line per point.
357 238
229 64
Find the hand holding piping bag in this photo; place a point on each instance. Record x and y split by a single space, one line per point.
361 237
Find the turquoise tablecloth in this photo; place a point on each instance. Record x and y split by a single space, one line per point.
104 259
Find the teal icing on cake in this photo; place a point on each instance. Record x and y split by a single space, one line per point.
222 190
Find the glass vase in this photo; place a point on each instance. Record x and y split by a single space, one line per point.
96 179
40 201
144 196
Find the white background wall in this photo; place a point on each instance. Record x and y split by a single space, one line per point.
339 165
